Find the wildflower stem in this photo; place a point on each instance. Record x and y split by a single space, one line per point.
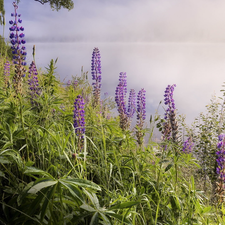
22 122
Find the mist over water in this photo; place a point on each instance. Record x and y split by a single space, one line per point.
198 70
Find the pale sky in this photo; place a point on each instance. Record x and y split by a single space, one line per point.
185 44
126 20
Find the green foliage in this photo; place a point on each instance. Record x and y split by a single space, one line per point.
2 12
46 179
205 131
4 48
56 4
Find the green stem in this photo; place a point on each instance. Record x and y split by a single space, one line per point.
22 122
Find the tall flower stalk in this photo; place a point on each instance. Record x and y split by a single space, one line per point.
170 127
131 104
79 120
125 114
18 49
96 76
220 190
141 116
33 82
188 145
120 98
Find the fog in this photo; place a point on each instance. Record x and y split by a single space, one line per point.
156 42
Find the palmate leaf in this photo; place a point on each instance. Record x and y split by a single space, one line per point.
106 220
50 193
87 208
94 199
81 183
36 203
95 219
30 171
42 183
74 191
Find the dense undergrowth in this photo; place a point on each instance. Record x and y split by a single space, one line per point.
65 158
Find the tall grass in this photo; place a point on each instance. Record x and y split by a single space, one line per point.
49 177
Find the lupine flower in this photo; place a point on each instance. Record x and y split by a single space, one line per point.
131 104
188 145
62 107
79 121
120 98
33 82
68 83
221 167
141 115
6 73
18 49
96 75
75 83
171 124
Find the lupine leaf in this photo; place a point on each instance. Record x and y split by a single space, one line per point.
95 219
87 208
42 184
32 170
82 183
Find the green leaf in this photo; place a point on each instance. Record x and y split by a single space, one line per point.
2 174
74 191
36 203
168 167
207 209
87 208
123 205
106 220
29 163
93 198
3 160
32 170
175 202
95 219
41 184
46 202
119 217
82 183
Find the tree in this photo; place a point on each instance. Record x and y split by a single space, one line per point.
56 4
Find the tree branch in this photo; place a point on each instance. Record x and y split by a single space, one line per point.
41 1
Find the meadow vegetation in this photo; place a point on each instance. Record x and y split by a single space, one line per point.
66 158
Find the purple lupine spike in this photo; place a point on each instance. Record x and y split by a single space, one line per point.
141 105
121 91
120 98
96 76
79 120
141 115
171 124
75 84
33 82
131 104
188 145
220 170
17 38
18 50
